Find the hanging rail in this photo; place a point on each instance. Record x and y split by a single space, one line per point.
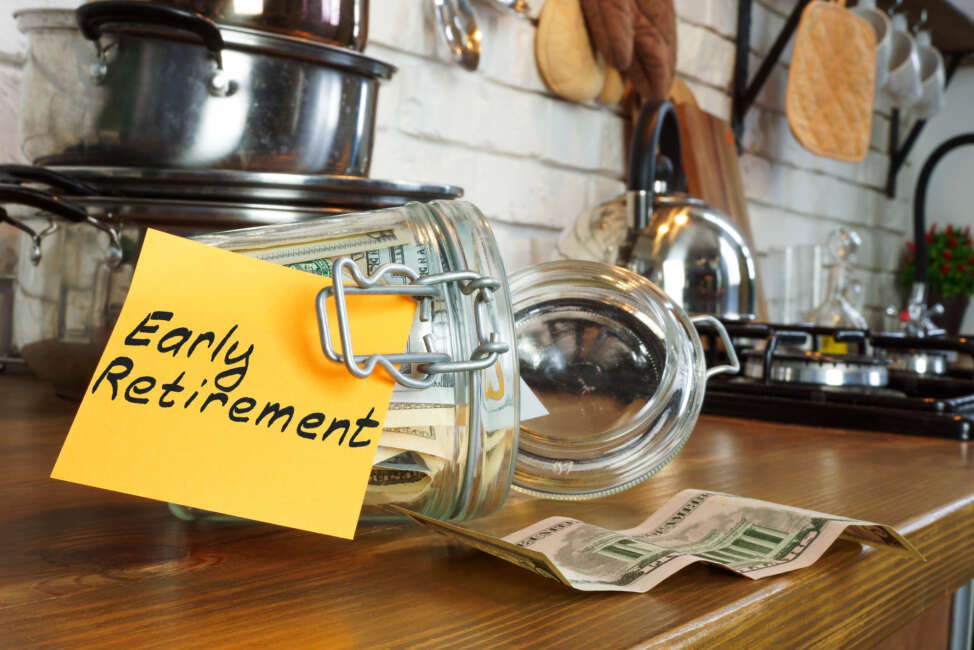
744 93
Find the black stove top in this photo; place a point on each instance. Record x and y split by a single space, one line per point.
924 405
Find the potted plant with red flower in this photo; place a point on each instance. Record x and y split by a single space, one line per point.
950 273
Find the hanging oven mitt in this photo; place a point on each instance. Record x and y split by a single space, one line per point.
610 24
654 49
638 38
829 101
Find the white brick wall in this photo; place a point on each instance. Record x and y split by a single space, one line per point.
533 162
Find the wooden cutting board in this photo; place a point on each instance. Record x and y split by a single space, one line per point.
710 163
713 173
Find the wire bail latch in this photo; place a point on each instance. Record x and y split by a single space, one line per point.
424 290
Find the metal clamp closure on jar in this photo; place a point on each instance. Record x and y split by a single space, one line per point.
423 290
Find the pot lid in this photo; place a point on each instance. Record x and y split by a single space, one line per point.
617 365
261 187
234 38
184 215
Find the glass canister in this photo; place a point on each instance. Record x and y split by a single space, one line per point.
608 387
446 450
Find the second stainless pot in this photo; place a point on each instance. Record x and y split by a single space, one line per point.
339 22
137 84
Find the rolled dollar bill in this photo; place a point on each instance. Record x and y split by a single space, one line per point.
433 441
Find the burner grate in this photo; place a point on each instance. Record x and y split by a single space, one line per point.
925 405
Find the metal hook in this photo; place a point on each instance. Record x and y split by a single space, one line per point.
35 253
922 23
114 242
52 227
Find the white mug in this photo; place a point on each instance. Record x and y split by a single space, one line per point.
880 23
932 76
903 86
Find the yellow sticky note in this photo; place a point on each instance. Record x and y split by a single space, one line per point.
213 392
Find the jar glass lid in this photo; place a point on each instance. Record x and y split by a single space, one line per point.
619 369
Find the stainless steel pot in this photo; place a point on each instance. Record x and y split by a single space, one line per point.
129 84
76 259
343 22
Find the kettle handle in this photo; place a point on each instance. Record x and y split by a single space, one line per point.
656 127
90 18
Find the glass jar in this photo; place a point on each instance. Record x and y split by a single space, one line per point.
613 369
446 451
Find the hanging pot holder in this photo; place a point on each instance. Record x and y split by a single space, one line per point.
829 101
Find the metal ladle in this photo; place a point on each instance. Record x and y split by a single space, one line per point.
458 24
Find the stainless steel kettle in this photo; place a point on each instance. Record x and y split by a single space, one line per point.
689 249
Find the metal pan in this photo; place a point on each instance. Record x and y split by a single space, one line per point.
228 185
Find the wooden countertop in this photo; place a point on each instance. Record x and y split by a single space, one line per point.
86 567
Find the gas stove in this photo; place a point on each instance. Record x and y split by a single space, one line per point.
846 378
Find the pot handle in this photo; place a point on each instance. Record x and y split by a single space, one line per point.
733 365
55 205
35 237
17 173
92 16
43 201
656 128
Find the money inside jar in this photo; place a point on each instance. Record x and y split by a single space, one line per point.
447 449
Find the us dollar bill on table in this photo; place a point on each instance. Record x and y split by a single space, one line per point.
752 538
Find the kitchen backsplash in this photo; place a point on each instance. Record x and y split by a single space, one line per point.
533 162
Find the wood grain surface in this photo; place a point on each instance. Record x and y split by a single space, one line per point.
928 631
83 567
